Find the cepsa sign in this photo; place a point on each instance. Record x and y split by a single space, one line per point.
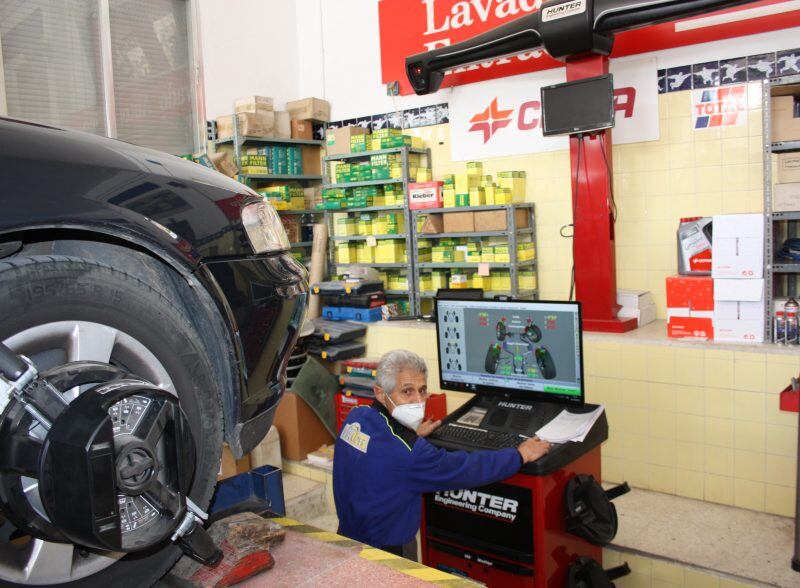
408 27
504 117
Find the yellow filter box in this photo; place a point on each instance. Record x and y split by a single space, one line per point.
502 254
526 251
459 281
425 283
487 254
396 172
365 253
484 282
502 196
390 251
488 194
344 226
416 142
345 253
424 174
278 203
297 203
477 197
475 168
459 256
375 144
474 256
440 279
527 280
465 182
501 281
448 198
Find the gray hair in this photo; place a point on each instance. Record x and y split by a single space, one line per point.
393 362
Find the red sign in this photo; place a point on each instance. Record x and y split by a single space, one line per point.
408 27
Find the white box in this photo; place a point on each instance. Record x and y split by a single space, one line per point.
634 299
786 197
739 331
682 311
741 300
738 245
644 314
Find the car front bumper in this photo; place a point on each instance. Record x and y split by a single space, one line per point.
265 300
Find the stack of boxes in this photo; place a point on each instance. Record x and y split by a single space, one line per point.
285 197
726 303
738 272
472 188
272 159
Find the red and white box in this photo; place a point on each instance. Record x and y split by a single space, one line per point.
738 245
423 195
690 307
694 246
739 310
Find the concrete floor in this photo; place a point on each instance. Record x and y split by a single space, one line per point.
749 545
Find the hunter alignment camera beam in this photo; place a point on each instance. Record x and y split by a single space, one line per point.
580 33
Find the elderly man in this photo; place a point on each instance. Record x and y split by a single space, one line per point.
383 464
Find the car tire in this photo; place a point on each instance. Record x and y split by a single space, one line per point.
547 367
492 359
45 290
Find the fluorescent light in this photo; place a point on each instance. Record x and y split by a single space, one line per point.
739 15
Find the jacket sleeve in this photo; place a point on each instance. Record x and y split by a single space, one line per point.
435 469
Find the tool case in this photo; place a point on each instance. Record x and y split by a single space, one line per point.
337 331
346 313
372 300
337 352
342 287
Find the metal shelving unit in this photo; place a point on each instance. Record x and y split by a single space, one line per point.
408 236
239 141
513 234
777 270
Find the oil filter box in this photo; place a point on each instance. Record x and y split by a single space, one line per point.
694 246
425 195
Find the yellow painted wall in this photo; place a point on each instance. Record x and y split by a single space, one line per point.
685 173
688 420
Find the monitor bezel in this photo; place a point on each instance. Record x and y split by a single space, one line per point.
547 132
533 396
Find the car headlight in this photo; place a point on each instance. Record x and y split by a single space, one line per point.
264 228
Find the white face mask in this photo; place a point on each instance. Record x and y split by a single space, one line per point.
408 415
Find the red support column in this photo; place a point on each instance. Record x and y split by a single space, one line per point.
593 243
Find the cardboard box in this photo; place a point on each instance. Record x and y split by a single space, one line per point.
283 125
434 223
224 164
785 118
312 160
738 245
301 431
739 300
459 222
644 314
302 129
786 197
739 331
496 220
229 467
251 124
310 109
788 168
693 293
694 246
634 298
699 328
425 195
338 140
253 104
291 224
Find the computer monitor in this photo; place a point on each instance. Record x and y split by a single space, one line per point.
578 107
526 349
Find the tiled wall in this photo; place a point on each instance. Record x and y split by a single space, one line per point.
685 173
689 420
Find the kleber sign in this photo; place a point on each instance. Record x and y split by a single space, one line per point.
719 107
408 27
504 117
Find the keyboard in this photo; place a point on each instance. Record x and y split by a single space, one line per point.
476 437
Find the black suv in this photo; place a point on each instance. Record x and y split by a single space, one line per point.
157 266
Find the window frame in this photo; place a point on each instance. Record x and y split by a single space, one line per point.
107 73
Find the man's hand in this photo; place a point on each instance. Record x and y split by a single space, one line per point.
427 427
533 449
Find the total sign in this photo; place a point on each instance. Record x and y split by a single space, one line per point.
504 117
